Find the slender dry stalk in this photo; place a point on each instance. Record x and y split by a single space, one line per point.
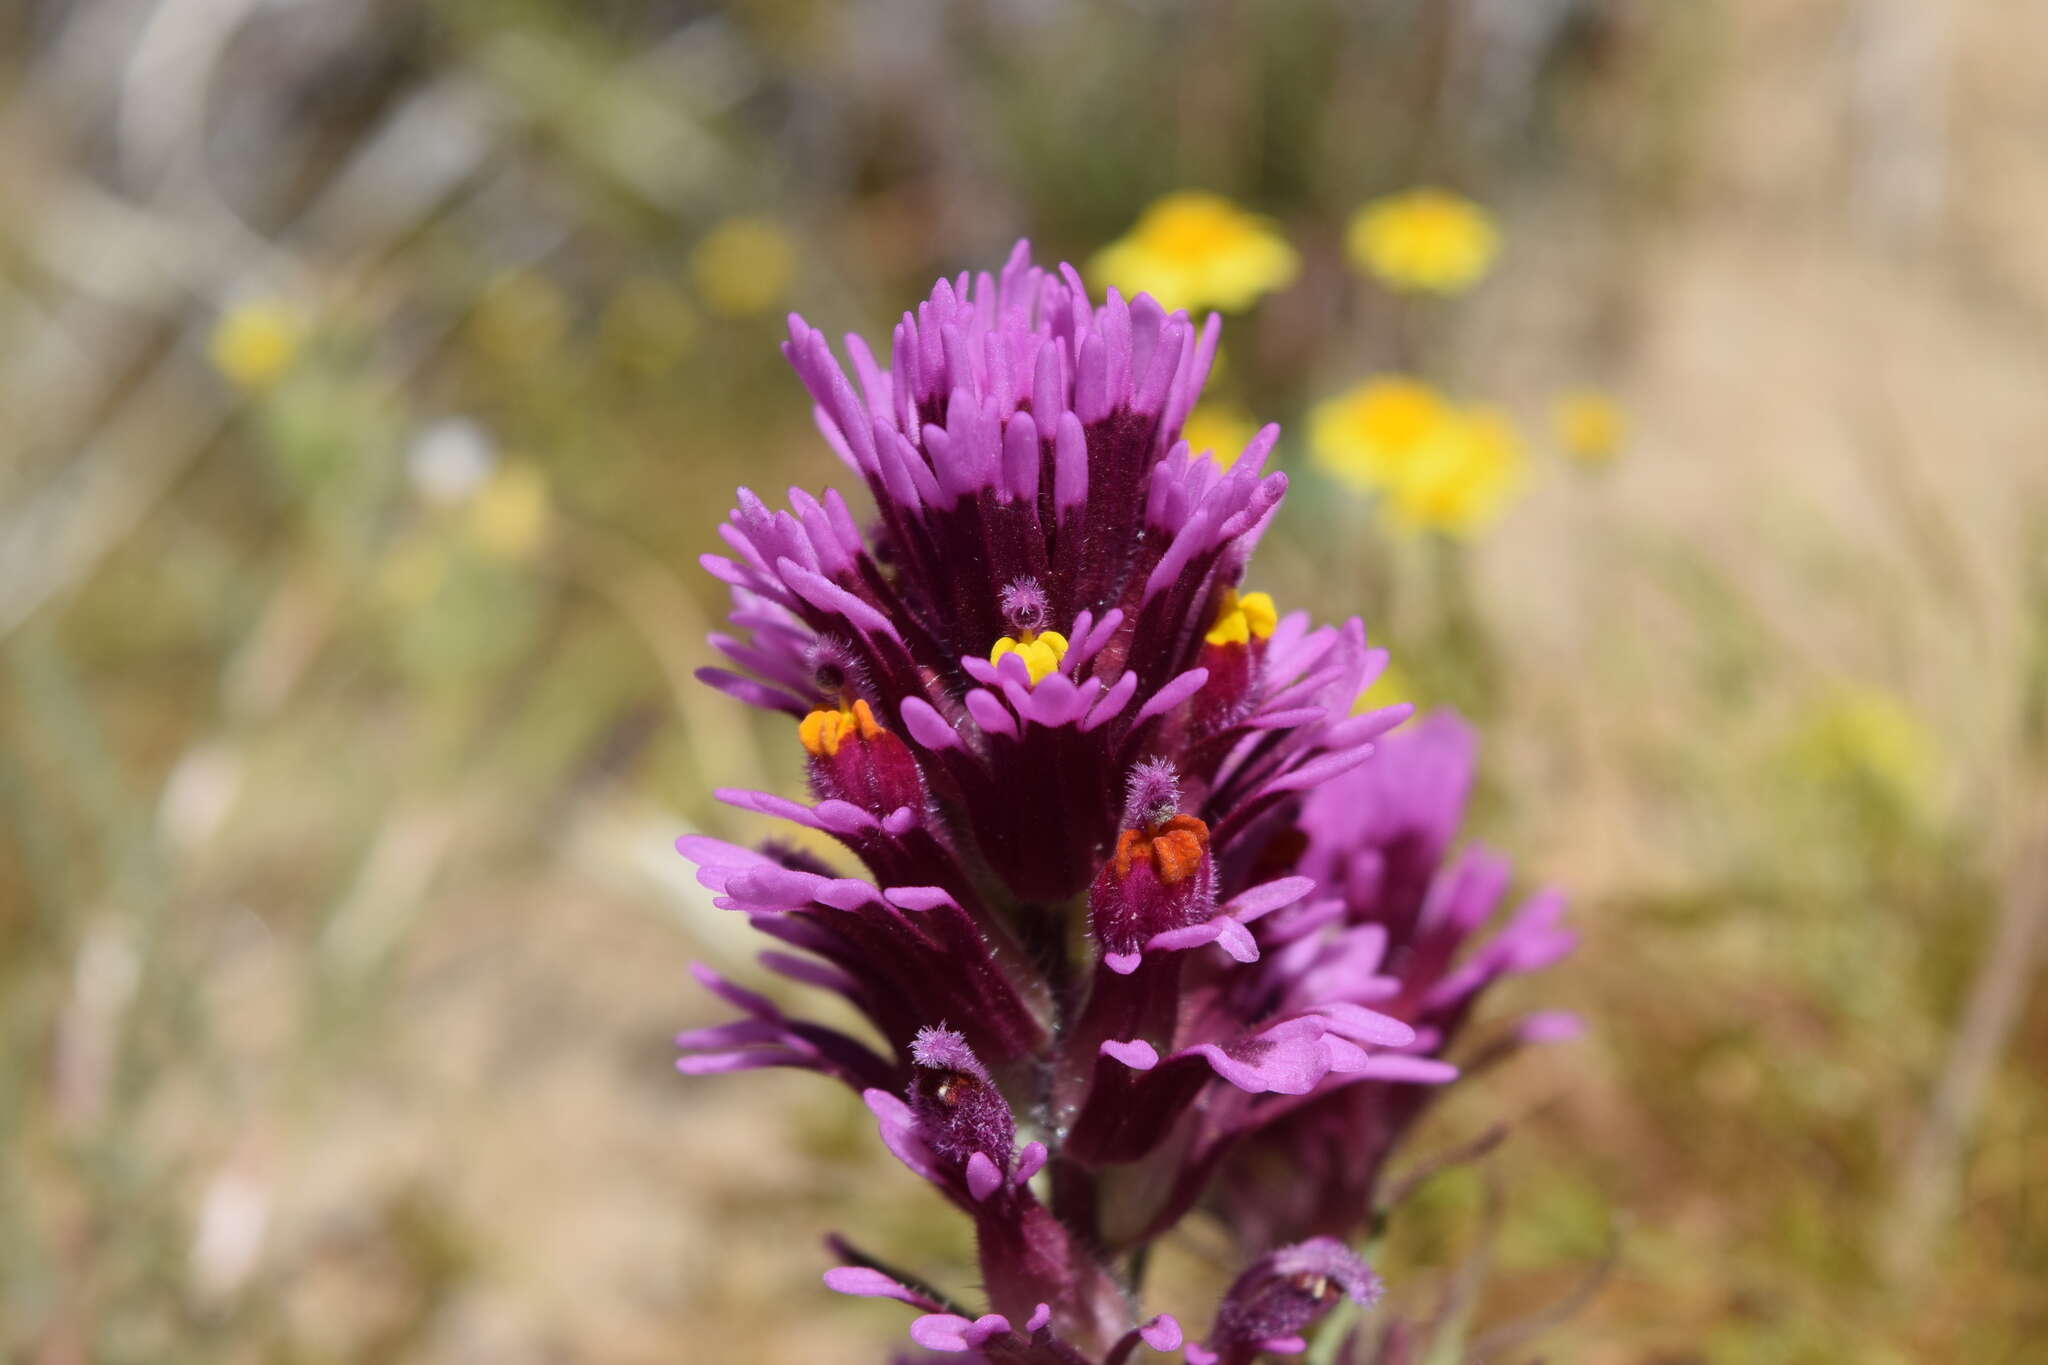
1929 1175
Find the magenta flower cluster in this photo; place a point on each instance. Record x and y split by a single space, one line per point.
1154 917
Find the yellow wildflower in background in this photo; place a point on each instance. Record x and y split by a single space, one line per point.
1367 436
1423 239
648 326
521 318
1589 426
509 516
1866 739
256 342
744 266
1461 478
1390 688
1194 249
1222 429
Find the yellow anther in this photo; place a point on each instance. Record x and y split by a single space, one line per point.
1041 651
825 729
1240 619
1259 613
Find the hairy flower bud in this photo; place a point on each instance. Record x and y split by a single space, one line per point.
1161 875
853 759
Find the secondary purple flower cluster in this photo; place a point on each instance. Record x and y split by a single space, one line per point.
1154 915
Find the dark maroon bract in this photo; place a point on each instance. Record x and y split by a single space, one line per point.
1148 921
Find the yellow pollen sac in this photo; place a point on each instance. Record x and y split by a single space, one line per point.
1041 651
824 730
1241 619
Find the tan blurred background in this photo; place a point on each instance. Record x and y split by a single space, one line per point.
372 373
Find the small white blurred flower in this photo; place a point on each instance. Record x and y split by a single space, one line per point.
232 1219
450 459
198 795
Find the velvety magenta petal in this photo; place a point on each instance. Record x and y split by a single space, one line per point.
1365 1026
899 1134
1162 1333
918 897
752 1059
1030 1161
1267 897
1174 693
927 726
760 1006
1235 939
990 714
1113 702
1185 937
862 1282
1137 1054
984 1177
951 1332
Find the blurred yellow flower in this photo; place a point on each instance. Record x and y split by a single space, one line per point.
510 514
1589 426
744 266
1461 478
521 317
1866 738
648 325
1390 688
1366 437
1222 429
1195 249
256 342
1437 466
1423 239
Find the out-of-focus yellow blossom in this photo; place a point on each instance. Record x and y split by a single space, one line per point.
256 342
1589 426
1866 737
509 516
1194 249
1461 478
648 325
413 572
1390 688
744 266
1367 437
1423 239
521 317
1222 429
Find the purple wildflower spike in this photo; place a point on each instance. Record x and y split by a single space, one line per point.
1402 932
1149 913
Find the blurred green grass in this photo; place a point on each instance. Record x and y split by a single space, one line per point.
347 713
